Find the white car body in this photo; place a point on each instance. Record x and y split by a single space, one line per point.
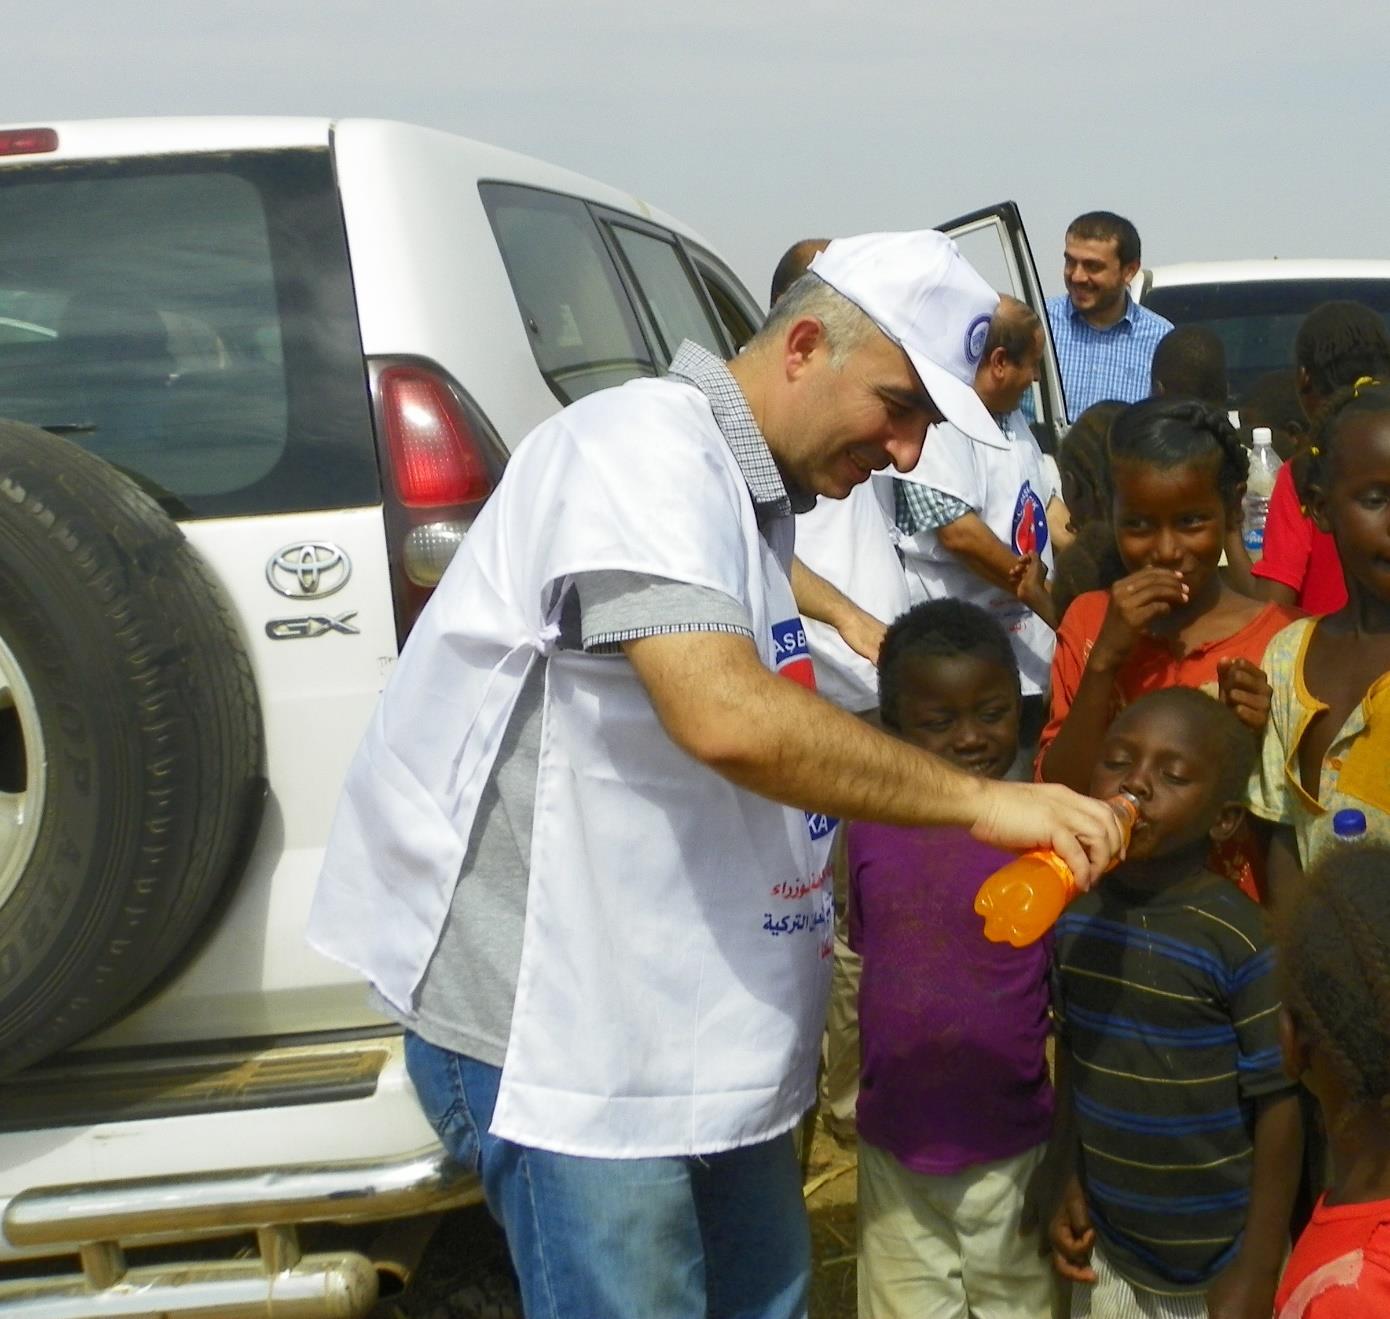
429 283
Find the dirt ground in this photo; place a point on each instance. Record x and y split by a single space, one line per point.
465 1274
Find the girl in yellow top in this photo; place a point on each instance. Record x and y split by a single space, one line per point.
1326 748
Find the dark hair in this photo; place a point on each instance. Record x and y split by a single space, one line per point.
1083 453
1272 400
1312 462
1334 965
1175 432
1014 328
1100 225
1235 747
1338 343
1090 563
795 262
1190 362
937 627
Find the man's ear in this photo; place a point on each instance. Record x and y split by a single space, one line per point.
805 339
1227 822
1128 272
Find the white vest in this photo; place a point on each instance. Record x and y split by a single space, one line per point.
849 542
1006 482
675 956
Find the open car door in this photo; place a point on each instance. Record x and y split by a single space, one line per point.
994 242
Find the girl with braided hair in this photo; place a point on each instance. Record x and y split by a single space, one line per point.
1177 469
1327 748
1334 949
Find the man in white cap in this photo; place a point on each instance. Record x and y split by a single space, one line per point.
595 698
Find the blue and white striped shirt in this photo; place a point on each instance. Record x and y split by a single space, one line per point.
1100 364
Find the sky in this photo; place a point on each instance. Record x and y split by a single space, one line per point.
1221 129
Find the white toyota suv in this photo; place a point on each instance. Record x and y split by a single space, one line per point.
256 376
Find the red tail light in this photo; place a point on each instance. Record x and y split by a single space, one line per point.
27 141
440 460
436 459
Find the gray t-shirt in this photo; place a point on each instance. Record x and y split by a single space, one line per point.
464 1001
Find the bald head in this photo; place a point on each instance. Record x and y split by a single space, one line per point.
795 262
1014 328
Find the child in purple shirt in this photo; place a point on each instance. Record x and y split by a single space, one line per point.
955 1106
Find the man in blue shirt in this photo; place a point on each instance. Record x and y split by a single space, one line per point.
1105 340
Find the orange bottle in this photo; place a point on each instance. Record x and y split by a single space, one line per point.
1023 900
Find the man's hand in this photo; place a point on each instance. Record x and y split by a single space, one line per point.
1244 687
1072 1235
1137 602
1242 1292
862 632
1081 830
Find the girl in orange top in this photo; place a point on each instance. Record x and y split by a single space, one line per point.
1177 471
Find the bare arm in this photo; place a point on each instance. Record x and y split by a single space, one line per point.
720 704
976 546
1245 1289
1058 528
1283 874
1241 578
1069 1229
817 598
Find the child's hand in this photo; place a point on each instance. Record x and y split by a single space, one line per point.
1136 603
1242 1292
1028 577
1244 687
1072 1235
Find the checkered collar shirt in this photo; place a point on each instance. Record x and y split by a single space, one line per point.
1099 364
693 365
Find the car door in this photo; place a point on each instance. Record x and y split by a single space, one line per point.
994 241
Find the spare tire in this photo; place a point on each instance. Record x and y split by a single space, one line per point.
131 772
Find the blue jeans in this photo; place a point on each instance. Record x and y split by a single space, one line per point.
721 1236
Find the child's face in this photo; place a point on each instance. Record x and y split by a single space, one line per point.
963 708
1169 764
1355 507
1170 517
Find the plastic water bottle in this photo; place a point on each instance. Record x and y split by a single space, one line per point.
1021 901
1264 465
1349 825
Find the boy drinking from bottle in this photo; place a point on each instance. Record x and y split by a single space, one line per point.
1178 1133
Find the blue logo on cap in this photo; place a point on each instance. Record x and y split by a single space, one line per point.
975 336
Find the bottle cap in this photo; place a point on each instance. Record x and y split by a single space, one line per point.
1349 824
1262 435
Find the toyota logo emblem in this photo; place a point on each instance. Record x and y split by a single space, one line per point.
309 569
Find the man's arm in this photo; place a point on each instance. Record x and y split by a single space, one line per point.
1245 1289
976 546
720 704
817 598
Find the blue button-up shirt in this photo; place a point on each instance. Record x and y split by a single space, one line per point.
1100 364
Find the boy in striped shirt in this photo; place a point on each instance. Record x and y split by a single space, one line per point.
1177 1130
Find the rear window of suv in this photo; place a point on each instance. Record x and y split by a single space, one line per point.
1257 320
190 319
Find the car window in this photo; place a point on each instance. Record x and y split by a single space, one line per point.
190 319
733 304
578 318
669 289
1257 320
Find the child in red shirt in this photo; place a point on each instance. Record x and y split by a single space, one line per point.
1335 1037
1176 472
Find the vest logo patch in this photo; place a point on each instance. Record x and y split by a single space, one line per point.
1029 523
791 656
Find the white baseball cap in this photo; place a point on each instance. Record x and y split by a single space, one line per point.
926 297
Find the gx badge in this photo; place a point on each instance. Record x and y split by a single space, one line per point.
313 625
